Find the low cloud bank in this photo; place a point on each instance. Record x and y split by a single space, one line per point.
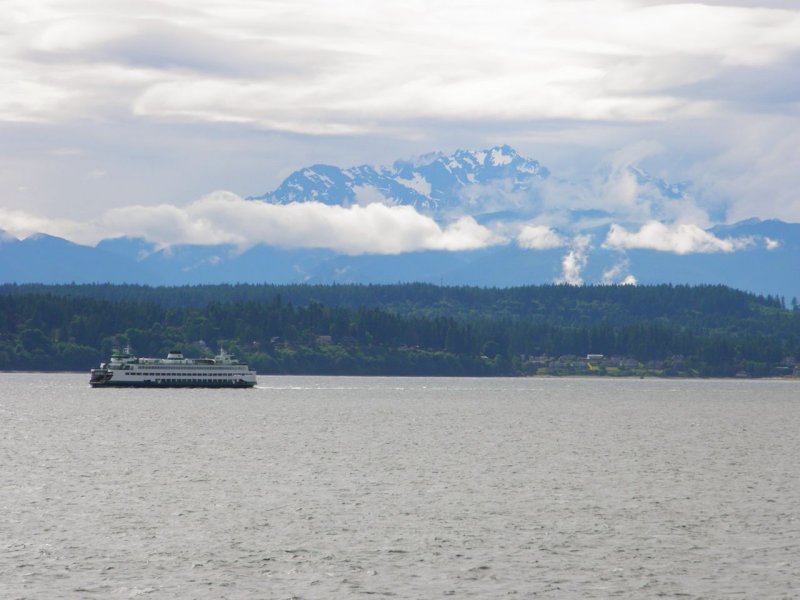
375 228
224 218
683 238
19 224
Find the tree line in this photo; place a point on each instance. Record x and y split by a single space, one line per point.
565 303
403 330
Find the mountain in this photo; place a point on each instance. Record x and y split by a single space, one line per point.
499 189
46 258
770 266
434 185
51 260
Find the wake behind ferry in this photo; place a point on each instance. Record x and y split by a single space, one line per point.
126 370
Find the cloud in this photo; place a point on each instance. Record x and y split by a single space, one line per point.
155 42
498 195
681 238
618 189
755 173
224 218
539 237
321 68
575 260
367 194
619 274
204 87
21 224
26 100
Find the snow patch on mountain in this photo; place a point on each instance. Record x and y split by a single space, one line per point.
499 157
419 184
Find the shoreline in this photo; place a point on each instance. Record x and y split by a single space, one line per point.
446 376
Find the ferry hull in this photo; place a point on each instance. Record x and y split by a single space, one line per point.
154 384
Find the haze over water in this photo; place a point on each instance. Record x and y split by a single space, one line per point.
315 487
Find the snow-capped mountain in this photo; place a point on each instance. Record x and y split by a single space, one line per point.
436 185
618 225
495 184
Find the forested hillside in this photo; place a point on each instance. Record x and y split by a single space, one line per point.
408 329
566 303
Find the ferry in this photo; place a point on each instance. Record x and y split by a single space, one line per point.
126 370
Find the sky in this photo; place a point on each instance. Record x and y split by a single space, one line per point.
156 117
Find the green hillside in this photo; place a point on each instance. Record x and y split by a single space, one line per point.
408 329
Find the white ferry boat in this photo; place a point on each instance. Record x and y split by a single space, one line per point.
126 370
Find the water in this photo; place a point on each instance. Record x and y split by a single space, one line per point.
313 487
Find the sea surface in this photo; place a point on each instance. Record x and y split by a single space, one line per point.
340 487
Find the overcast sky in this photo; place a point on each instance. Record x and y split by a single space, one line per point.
109 104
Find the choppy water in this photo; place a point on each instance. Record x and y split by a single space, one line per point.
310 487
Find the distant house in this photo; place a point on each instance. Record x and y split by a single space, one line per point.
538 362
595 357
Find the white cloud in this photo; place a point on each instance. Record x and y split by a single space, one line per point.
618 274
177 80
224 218
539 237
368 194
619 190
575 260
21 224
361 69
683 238
495 196
25 99
755 173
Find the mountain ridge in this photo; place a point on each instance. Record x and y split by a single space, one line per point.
431 187
497 188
